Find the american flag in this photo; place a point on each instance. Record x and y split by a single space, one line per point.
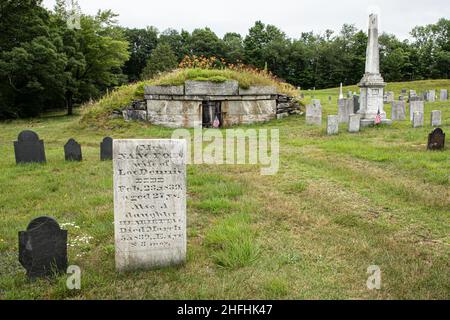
216 123
378 118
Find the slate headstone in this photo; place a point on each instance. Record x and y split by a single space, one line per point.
43 248
72 151
149 203
28 148
436 118
332 125
106 149
355 104
436 140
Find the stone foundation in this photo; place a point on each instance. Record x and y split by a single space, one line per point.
183 106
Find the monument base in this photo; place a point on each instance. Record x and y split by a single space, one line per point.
370 122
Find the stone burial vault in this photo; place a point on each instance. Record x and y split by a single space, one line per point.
205 104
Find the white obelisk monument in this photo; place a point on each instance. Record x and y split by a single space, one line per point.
372 84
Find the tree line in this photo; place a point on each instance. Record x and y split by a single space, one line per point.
45 63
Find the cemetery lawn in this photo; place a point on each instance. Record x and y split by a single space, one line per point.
337 206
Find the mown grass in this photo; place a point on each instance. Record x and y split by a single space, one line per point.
338 205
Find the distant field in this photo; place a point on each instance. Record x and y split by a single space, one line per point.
337 206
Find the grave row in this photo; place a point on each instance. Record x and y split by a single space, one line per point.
30 149
149 213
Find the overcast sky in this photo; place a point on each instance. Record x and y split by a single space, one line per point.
291 16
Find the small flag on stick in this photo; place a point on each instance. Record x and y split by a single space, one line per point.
378 118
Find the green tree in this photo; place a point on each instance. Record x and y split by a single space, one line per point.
161 59
142 43
32 76
233 47
205 42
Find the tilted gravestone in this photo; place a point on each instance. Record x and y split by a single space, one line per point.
436 140
43 248
332 125
106 152
72 151
314 113
436 118
28 148
149 203
398 111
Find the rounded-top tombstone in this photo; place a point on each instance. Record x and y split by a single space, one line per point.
72 151
28 148
28 135
436 140
106 149
43 248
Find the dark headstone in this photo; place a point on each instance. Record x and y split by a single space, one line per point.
28 148
436 140
355 104
43 248
106 149
72 151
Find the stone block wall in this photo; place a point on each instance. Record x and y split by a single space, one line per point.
181 106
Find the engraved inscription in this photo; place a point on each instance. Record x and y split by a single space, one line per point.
150 202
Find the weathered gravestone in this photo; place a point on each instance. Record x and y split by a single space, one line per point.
28 148
106 146
43 248
149 203
398 111
390 96
332 125
72 151
417 119
415 106
345 109
436 140
436 118
443 95
431 95
314 113
354 123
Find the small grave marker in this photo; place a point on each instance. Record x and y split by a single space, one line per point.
436 140
72 151
43 248
28 148
106 152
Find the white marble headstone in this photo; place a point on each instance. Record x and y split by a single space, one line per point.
149 203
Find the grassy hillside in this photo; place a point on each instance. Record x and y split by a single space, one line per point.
97 113
338 205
